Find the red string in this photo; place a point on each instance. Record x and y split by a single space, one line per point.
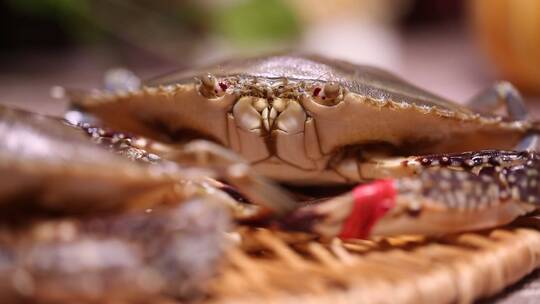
371 202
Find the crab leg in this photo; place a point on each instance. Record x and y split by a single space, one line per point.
237 172
220 162
501 93
436 201
361 170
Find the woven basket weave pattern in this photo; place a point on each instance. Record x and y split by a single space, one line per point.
278 268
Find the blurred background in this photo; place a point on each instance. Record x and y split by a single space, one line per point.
451 47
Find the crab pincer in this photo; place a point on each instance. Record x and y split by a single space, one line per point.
434 202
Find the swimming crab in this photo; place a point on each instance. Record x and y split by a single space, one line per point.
308 120
132 171
80 223
88 216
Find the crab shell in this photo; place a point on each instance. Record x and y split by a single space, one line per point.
47 166
295 117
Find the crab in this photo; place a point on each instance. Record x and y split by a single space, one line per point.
96 218
142 183
310 120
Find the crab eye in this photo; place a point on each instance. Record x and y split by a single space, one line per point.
208 81
331 89
210 88
330 94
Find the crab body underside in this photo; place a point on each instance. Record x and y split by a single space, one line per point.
303 119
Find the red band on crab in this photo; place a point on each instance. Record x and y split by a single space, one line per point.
371 202
316 91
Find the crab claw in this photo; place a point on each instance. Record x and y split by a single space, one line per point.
351 215
433 202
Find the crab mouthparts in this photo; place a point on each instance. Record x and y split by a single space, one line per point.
283 114
254 114
268 116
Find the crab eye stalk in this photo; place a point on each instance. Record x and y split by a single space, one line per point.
330 94
210 87
331 90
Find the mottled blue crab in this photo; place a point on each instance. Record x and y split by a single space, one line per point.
99 219
309 120
81 224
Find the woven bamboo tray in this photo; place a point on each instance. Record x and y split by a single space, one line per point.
283 268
